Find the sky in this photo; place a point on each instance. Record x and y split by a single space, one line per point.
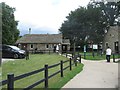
42 16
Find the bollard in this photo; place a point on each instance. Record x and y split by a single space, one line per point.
113 57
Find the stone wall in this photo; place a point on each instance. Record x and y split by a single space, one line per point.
41 46
119 37
111 37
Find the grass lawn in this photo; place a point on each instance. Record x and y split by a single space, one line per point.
0 74
35 62
118 61
96 57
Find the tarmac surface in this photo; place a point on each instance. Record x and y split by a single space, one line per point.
96 74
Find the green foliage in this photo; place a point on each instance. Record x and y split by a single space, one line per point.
118 10
10 32
83 23
109 10
89 24
0 26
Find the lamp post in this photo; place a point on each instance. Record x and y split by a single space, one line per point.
74 44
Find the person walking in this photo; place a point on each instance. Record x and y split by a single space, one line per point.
108 54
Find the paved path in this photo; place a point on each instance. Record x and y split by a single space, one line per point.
96 74
6 59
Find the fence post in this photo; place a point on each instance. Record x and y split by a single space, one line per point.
80 58
27 54
70 64
10 84
78 54
72 54
101 52
93 54
32 52
61 68
46 76
75 60
66 53
49 52
113 57
84 55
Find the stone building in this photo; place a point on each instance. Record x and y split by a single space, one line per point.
112 39
118 23
43 42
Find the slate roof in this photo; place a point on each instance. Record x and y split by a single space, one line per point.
40 38
66 41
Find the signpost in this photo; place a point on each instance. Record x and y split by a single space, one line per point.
84 51
95 47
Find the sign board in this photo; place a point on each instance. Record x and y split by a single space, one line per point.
84 48
95 46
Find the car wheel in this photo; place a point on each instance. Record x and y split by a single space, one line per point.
20 57
15 56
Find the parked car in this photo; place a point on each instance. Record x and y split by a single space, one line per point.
9 51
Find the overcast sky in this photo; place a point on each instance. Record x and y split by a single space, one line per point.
42 16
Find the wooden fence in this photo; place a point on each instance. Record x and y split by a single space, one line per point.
41 51
11 78
72 54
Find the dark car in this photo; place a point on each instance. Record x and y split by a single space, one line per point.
9 51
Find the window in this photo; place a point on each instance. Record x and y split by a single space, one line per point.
6 48
47 46
31 46
116 43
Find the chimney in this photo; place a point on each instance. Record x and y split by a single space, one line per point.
29 30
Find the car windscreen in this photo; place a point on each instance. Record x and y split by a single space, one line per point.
16 48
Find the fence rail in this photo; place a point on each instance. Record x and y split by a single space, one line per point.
35 84
11 79
40 51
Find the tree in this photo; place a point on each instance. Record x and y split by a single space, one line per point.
91 23
10 32
118 13
109 10
71 28
84 23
